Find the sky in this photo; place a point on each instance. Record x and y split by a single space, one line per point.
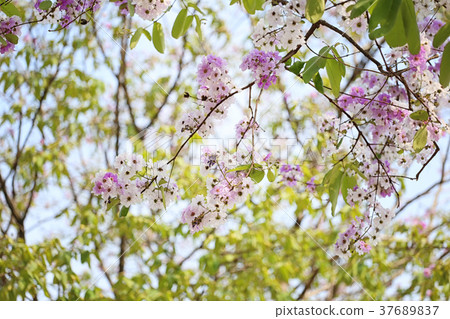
40 223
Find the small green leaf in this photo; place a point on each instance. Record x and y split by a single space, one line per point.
334 189
249 5
397 36
45 5
158 37
383 17
271 176
410 25
240 168
318 83
2 41
334 75
313 66
194 6
198 26
10 10
314 10
420 115
331 175
131 8
147 34
85 256
135 38
124 211
178 25
113 203
12 38
360 7
442 35
257 175
420 139
444 76
296 67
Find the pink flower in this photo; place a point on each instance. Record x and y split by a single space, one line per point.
264 67
362 247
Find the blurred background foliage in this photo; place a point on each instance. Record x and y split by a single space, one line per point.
69 102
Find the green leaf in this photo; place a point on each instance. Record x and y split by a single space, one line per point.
334 189
131 8
397 36
10 10
348 182
360 7
420 115
158 37
85 256
198 26
314 10
135 38
194 6
124 211
444 76
12 38
113 203
240 168
296 67
249 5
45 5
420 139
257 175
147 34
313 66
271 176
384 15
334 72
410 25
2 41
178 25
331 175
318 83
442 35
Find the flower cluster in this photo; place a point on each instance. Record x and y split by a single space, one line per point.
380 138
244 128
281 27
135 182
264 67
214 87
9 29
291 174
226 187
363 231
150 9
65 12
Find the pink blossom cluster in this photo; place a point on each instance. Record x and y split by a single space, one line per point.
281 27
151 9
65 12
244 128
225 189
214 87
134 182
264 67
364 231
382 110
8 26
291 174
